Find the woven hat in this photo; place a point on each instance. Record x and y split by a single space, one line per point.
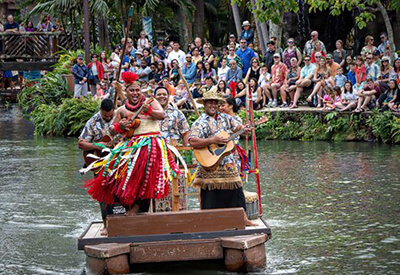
212 94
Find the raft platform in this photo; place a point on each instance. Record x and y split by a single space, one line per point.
216 234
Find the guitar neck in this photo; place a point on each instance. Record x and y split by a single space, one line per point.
238 133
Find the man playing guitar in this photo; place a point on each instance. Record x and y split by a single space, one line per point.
138 168
221 186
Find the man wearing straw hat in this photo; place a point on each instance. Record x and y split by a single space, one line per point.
222 186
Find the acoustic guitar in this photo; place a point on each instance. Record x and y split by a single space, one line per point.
109 141
209 157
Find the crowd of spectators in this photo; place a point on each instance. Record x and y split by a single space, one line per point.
327 80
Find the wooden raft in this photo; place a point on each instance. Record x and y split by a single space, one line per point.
176 222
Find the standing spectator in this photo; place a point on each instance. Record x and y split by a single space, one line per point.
253 71
106 66
142 42
369 47
268 58
46 25
332 65
310 44
95 73
290 52
232 39
196 57
305 81
177 54
80 72
189 70
143 71
223 70
11 25
232 56
317 50
278 74
29 27
247 33
160 45
208 56
373 70
235 74
339 55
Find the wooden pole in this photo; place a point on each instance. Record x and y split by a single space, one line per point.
86 30
253 136
126 36
175 186
188 90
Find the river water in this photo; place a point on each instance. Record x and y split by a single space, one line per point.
333 207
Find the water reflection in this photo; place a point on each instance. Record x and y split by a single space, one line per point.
333 207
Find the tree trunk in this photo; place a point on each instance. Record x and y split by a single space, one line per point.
100 28
264 31
198 24
185 28
276 30
258 29
106 35
236 18
389 29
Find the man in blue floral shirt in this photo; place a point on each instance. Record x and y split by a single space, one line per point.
175 125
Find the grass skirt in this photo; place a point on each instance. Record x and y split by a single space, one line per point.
138 168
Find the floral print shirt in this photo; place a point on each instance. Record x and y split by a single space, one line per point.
174 125
95 128
206 126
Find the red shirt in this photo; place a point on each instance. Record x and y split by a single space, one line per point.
278 73
361 73
313 55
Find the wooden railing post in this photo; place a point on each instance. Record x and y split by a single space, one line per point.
175 186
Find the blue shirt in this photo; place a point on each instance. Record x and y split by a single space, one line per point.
189 72
340 80
307 70
351 76
79 72
246 57
124 61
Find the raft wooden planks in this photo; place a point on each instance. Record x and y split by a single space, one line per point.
176 251
176 222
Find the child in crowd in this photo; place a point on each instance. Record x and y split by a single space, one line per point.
360 73
328 100
351 75
329 81
100 92
349 98
340 78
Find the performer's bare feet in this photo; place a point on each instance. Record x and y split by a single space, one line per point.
103 231
132 211
249 222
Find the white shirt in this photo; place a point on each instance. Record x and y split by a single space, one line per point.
222 73
179 55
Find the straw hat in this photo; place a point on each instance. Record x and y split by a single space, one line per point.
212 94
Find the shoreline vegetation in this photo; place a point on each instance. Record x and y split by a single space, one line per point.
54 112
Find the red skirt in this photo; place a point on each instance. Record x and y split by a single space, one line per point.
139 168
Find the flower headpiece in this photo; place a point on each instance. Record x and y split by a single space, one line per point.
129 78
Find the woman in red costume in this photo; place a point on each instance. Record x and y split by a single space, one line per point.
137 169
